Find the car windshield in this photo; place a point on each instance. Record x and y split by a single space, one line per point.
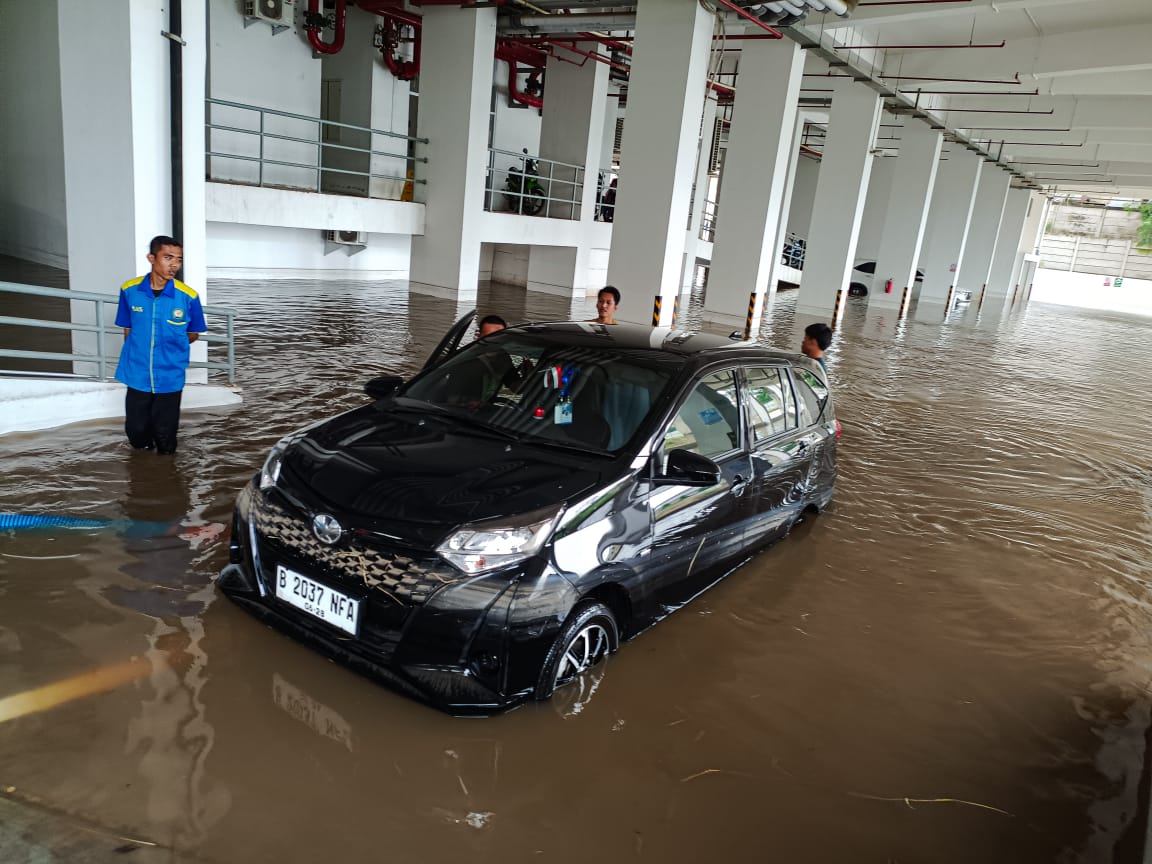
532 388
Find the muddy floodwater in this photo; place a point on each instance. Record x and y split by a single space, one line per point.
951 664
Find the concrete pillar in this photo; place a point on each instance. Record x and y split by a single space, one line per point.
884 169
948 218
785 210
572 132
455 99
840 192
1008 243
906 214
1031 235
117 146
983 229
665 102
755 175
699 190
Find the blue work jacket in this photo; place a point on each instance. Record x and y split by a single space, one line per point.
156 352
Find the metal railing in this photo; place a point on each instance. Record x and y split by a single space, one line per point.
273 149
708 222
528 188
103 327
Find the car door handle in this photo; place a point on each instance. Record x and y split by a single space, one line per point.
739 484
801 445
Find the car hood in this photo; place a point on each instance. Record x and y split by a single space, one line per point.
414 477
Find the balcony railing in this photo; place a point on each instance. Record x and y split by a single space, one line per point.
107 337
263 147
530 186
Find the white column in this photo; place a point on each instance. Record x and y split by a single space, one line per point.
786 210
699 191
884 170
755 175
665 101
840 192
117 156
906 214
194 23
1008 243
948 219
455 95
983 229
571 131
1030 237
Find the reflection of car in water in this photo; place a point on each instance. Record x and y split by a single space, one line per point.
490 530
864 275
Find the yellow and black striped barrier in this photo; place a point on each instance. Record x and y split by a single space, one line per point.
675 311
836 308
904 302
751 314
982 292
948 302
1014 292
656 304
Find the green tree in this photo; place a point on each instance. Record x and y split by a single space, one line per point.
1144 232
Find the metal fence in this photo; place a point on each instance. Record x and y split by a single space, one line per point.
265 147
792 255
1099 256
106 343
531 186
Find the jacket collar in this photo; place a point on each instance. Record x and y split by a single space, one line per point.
145 284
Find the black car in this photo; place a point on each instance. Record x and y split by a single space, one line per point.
491 529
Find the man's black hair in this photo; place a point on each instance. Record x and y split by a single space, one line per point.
609 289
493 319
161 240
822 333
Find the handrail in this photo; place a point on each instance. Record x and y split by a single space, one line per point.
102 358
317 141
530 198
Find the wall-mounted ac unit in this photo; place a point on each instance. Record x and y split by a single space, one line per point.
278 13
356 238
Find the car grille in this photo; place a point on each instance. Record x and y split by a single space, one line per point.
401 577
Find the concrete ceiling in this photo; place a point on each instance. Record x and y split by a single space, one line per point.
1080 116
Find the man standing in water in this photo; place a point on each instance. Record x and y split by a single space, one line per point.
161 317
817 338
607 300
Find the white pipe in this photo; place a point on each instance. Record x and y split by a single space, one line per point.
775 7
837 6
791 8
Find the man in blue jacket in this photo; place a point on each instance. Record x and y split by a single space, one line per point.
161 317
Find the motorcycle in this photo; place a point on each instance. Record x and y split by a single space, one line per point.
523 191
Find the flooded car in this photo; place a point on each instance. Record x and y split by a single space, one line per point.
492 529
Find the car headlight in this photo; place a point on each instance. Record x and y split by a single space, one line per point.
270 473
483 546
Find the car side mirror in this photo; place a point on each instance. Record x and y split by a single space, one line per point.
685 468
383 386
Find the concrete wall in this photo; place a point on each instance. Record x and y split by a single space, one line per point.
263 252
33 224
254 67
510 264
1091 291
875 208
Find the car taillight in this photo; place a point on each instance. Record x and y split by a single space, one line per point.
837 430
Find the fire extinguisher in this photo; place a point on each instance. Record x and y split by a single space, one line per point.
888 287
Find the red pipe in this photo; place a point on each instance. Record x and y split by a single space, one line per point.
394 22
748 16
337 42
897 47
532 57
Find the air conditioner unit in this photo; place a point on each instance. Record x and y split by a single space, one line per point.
278 13
353 238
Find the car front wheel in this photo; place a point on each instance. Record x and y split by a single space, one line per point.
587 637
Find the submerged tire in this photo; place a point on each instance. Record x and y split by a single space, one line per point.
587 637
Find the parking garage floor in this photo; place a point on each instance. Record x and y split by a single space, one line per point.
952 664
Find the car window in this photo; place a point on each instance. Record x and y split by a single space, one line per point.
813 394
772 406
542 389
708 421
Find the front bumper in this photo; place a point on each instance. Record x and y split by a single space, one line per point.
467 645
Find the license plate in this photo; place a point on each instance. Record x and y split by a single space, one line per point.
318 600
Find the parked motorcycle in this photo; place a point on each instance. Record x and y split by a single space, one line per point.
523 191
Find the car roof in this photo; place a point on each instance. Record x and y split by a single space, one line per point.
636 337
